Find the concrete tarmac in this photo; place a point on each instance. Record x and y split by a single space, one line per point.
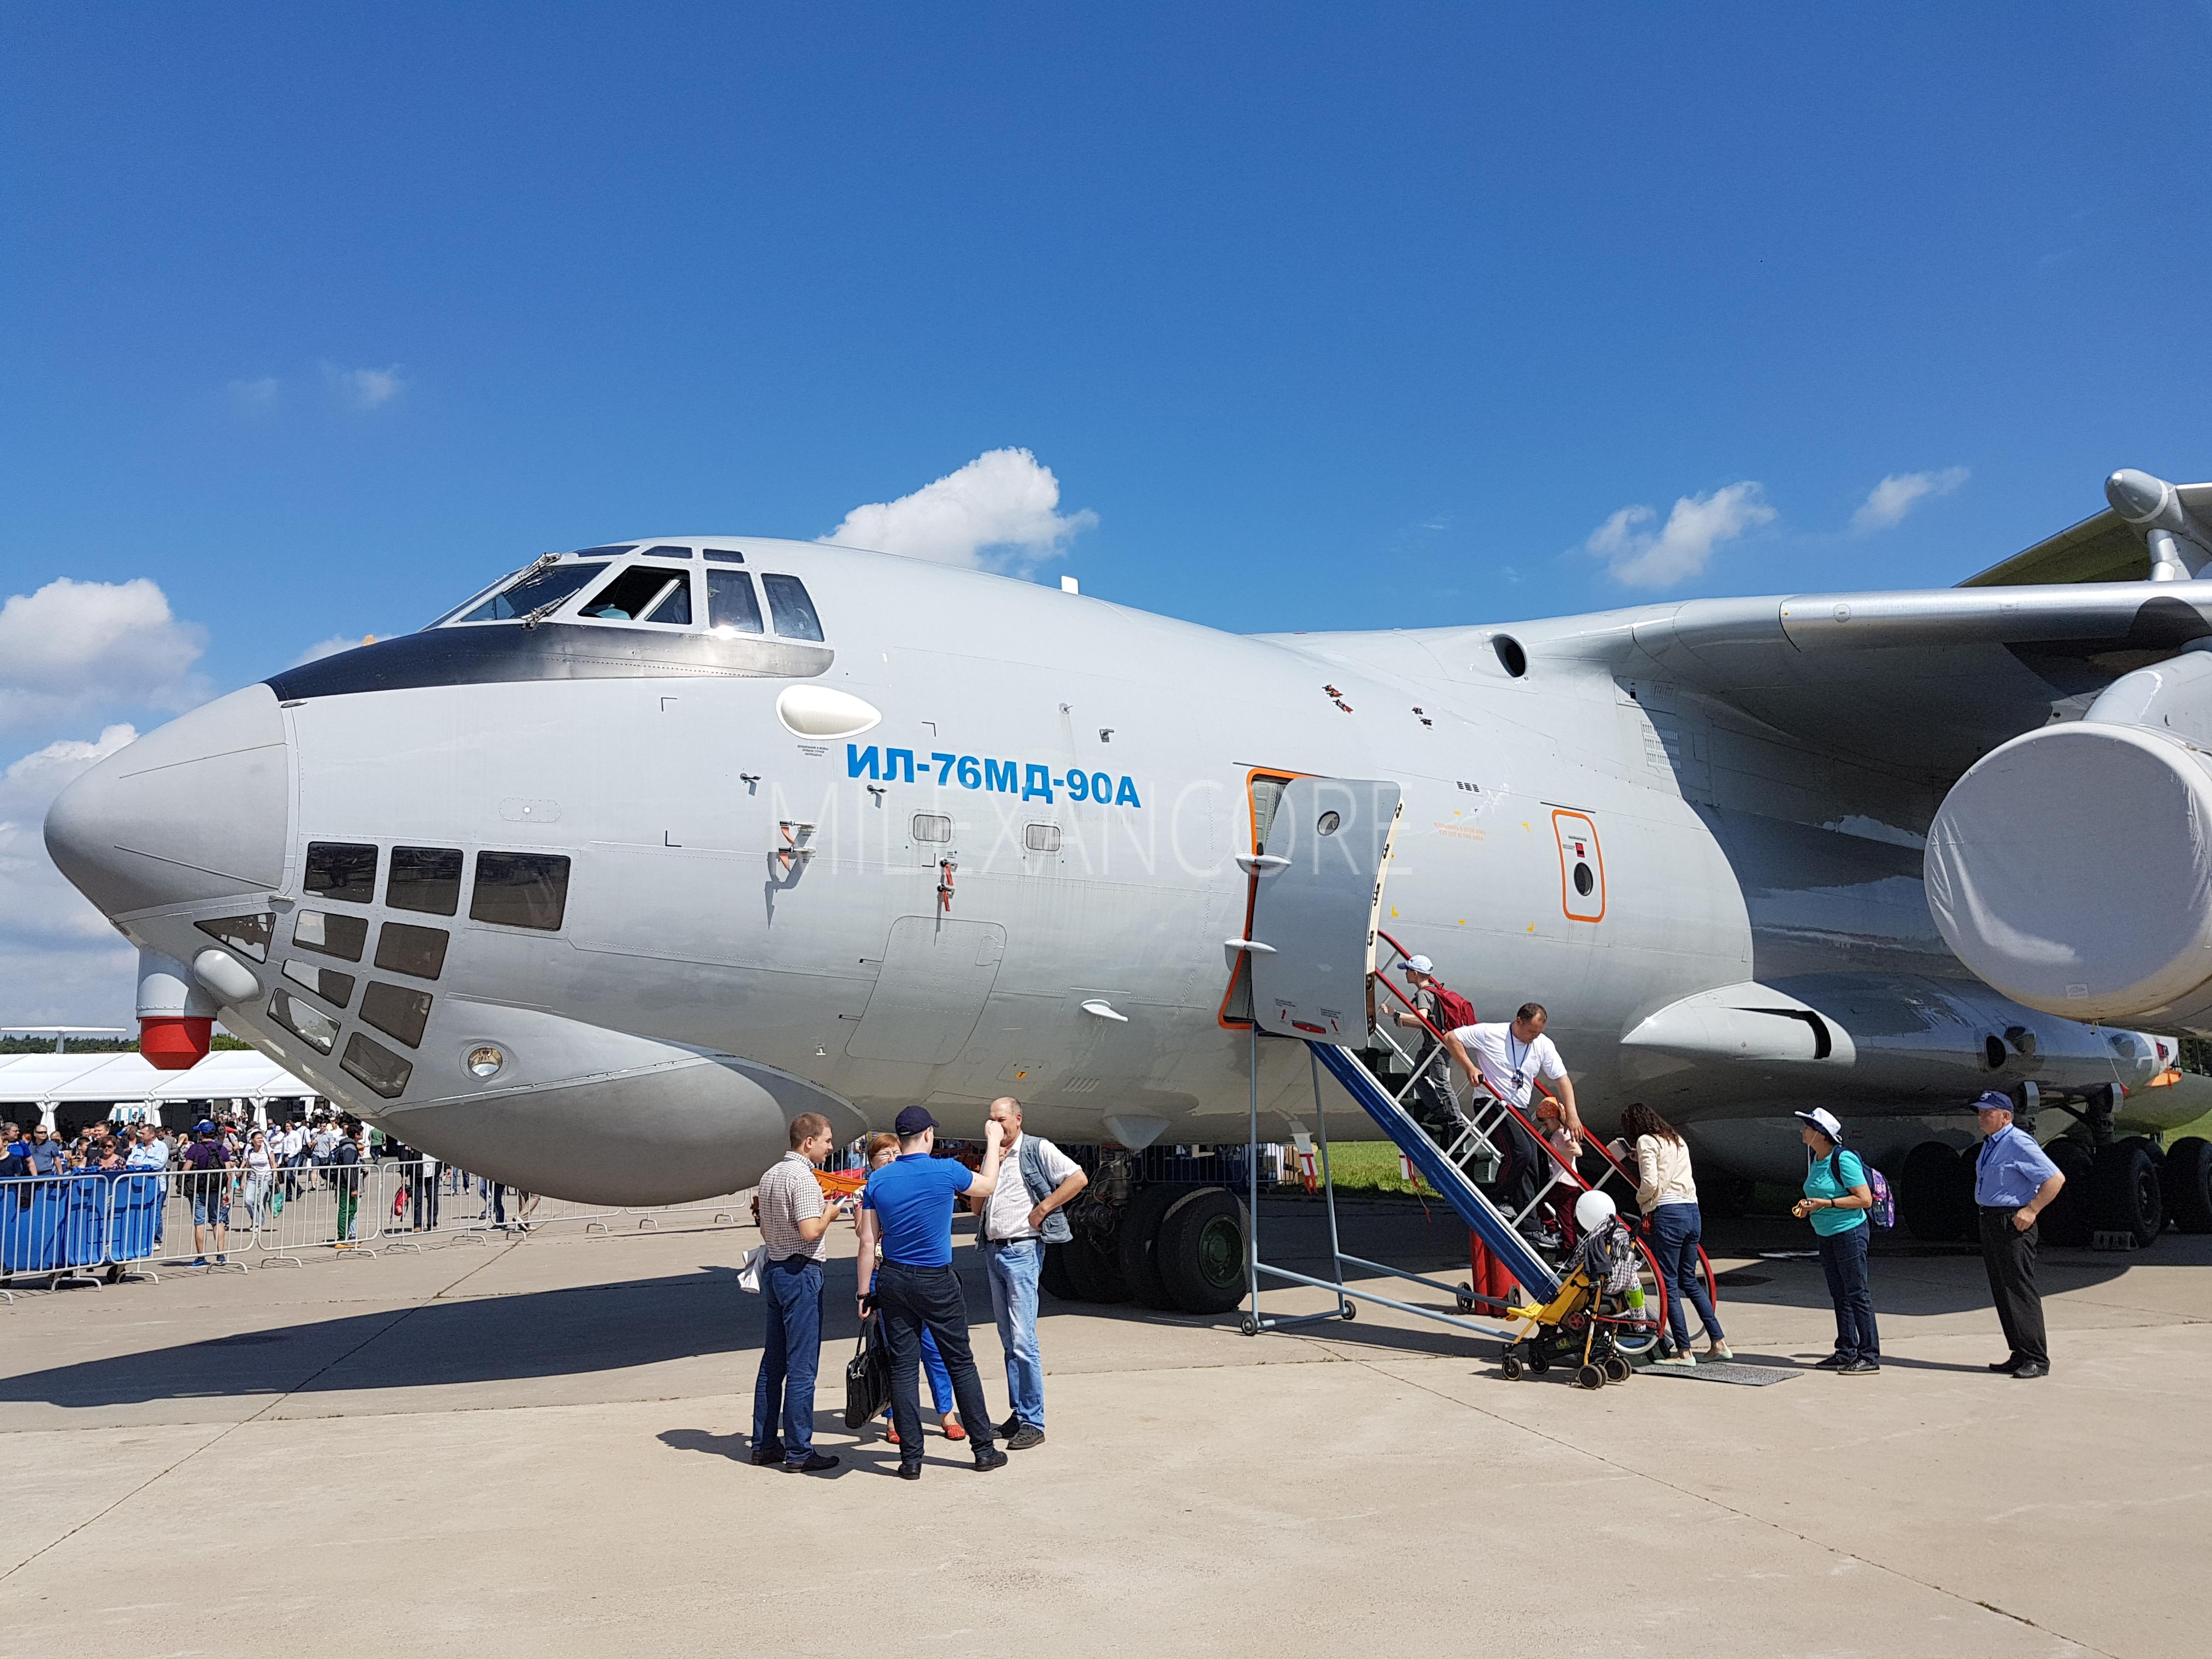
539 1448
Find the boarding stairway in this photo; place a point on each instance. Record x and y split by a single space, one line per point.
1484 1218
1308 970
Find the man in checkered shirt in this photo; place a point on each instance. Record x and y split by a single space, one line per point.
795 1223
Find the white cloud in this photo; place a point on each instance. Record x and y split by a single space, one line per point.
999 512
365 388
1888 502
330 647
74 646
1638 556
254 397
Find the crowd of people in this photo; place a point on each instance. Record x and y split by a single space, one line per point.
1509 1060
231 1172
903 1215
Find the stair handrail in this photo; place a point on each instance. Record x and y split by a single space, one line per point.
1381 976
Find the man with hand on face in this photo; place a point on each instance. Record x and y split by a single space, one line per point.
1020 1217
909 1205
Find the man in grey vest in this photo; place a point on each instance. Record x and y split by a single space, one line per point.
1015 1222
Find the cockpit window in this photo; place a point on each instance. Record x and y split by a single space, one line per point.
675 607
668 552
731 602
636 593
792 610
613 550
725 555
545 587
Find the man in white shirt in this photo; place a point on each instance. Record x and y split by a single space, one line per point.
1017 1220
1506 1058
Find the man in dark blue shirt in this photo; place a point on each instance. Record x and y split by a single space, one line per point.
907 1205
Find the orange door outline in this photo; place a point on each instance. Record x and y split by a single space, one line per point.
1578 844
1223 1017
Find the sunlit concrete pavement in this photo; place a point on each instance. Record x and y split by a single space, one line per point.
538 1448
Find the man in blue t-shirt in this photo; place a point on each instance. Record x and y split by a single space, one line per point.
907 1205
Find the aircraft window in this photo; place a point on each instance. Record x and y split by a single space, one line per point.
425 879
675 609
404 948
334 936
520 890
303 1020
247 935
548 587
931 826
668 552
630 594
726 556
792 610
327 983
338 870
376 1066
396 1011
731 602
613 550
1040 837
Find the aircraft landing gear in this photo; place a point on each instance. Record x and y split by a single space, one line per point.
1168 1246
1935 1194
2126 1193
2187 1177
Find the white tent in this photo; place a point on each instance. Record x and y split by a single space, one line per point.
128 1084
233 1075
46 1081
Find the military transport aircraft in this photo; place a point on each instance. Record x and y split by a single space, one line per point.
596 881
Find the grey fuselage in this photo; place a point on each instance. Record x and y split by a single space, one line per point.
760 919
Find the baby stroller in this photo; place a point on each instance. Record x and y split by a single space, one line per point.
1599 1317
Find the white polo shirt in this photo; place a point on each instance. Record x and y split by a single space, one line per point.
1007 1212
1509 1067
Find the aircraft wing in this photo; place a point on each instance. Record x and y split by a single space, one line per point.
1926 682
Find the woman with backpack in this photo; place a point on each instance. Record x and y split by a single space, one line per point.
1667 1193
1838 1196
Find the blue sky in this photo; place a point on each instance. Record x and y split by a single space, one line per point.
316 318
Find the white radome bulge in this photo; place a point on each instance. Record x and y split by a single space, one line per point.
819 711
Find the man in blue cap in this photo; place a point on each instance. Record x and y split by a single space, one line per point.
2015 1182
908 1204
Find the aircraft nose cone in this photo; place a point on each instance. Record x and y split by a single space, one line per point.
198 808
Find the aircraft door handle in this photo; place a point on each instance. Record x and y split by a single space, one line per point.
1260 864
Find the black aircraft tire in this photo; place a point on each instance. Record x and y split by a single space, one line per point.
1053 1275
1200 1252
1136 1241
2126 1194
1095 1272
1927 1194
2067 1223
2186 1175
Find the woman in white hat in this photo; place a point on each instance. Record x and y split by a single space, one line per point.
1836 1201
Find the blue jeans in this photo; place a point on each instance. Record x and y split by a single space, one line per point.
1843 1259
1675 1230
1014 1267
791 1356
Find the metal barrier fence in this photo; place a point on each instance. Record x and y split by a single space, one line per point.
97 1226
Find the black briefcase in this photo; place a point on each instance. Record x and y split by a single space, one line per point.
868 1376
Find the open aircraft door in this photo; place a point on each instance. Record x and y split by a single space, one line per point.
1317 888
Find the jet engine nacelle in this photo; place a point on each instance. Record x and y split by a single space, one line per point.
2071 868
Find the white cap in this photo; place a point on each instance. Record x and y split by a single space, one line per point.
1825 1121
1419 965
1593 1211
